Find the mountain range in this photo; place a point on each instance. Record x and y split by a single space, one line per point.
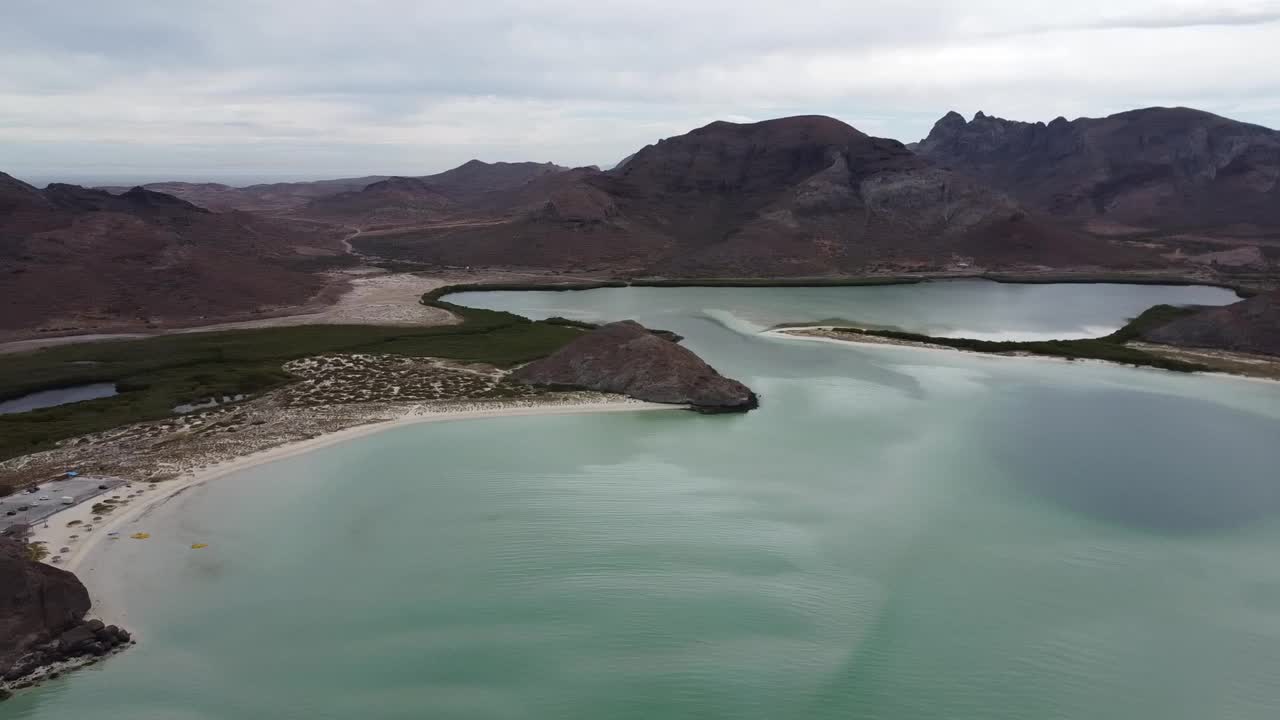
71 255
1157 168
467 181
1160 190
791 197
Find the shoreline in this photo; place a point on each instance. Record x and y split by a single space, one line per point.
817 333
87 559
438 296
530 280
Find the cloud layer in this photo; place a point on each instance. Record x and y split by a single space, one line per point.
311 88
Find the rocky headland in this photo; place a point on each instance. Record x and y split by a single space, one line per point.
43 630
1249 326
626 358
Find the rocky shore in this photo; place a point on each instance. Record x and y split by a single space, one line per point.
43 630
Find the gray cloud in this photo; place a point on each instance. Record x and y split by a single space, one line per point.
315 88
1190 20
1176 20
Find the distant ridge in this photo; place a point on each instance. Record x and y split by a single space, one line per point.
805 195
464 182
76 257
1154 167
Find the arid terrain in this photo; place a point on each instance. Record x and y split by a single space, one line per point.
1165 168
78 261
468 182
792 197
1166 192
358 296
1195 187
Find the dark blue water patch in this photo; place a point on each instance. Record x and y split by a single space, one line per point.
54 398
1154 462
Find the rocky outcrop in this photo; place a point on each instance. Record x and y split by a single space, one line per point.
624 357
1156 167
135 200
1251 326
394 201
17 196
477 177
458 196
579 205
42 621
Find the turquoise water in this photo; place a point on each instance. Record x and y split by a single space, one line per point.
896 533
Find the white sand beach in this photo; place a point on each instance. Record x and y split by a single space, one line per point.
89 543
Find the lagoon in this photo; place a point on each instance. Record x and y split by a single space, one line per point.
896 533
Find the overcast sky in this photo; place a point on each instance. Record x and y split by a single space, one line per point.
198 89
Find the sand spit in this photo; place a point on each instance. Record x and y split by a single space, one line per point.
1234 365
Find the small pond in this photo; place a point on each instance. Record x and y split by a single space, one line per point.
60 396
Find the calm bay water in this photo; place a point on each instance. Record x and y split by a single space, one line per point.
896 533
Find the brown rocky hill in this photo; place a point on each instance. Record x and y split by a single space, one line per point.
624 357
77 258
136 200
1251 325
467 183
1169 168
473 191
475 178
16 196
394 201
795 196
271 198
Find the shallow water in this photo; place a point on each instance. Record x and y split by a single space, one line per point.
977 309
896 533
60 396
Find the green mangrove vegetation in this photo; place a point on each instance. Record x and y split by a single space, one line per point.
1112 348
155 374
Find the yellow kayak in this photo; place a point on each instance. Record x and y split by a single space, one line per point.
140 536
199 546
